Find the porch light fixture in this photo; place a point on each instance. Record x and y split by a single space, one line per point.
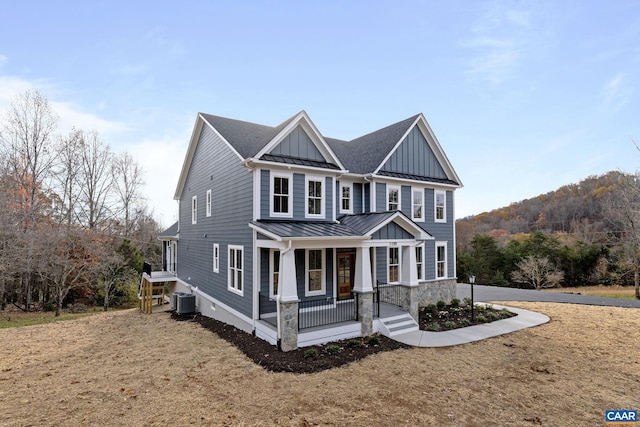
472 280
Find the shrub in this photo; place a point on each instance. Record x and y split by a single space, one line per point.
311 352
467 301
373 340
492 316
465 322
506 313
481 319
450 324
354 342
431 309
333 348
455 303
433 327
440 304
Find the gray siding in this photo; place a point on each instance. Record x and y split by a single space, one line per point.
381 197
381 264
367 198
441 231
298 144
216 167
357 198
299 197
414 156
301 279
391 231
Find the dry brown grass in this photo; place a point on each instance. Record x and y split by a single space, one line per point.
614 291
127 368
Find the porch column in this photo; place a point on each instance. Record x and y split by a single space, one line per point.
363 287
288 301
409 269
410 281
362 281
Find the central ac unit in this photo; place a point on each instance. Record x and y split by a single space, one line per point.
186 304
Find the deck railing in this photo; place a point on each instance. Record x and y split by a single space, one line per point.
390 294
326 311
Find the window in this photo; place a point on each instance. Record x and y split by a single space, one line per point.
417 211
345 198
315 197
420 262
441 260
281 191
315 272
393 198
216 258
274 271
208 202
441 206
194 209
235 269
394 265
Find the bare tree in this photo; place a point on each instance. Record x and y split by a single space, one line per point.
96 202
114 273
67 178
623 210
128 178
28 152
538 272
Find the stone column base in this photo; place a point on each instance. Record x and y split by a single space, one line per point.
365 312
288 322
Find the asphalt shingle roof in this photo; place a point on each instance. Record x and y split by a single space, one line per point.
170 232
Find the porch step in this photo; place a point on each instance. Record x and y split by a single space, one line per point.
399 324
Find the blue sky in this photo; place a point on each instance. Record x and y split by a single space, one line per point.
524 96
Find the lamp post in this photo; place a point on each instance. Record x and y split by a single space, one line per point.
472 280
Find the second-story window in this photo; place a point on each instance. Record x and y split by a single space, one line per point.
393 198
440 206
417 212
315 197
208 202
345 198
281 189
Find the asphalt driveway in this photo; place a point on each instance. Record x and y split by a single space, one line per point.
495 293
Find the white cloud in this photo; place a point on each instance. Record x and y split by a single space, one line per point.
73 116
616 93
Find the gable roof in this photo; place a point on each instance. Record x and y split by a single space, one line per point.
170 233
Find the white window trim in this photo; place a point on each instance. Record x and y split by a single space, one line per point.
272 178
323 185
323 280
389 264
446 260
230 271
348 185
421 191
391 188
435 206
216 258
208 203
420 264
272 252
194 210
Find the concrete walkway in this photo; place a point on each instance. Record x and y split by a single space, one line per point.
524 319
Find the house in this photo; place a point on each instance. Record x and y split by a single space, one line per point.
303 239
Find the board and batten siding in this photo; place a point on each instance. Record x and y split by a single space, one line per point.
414 156
441 232
215 166
298 145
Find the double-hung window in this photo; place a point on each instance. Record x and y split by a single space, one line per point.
216 258
194 210
235 279
315 272
417 204
441 260
393 197
281 194
440 206
394 265
420 262
315 197
208 203
346 191
274 256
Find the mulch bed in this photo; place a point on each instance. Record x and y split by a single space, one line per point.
270 358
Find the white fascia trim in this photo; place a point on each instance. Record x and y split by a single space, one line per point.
438 151
399 219
193 142
406 181
265 232
395 147
256 162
